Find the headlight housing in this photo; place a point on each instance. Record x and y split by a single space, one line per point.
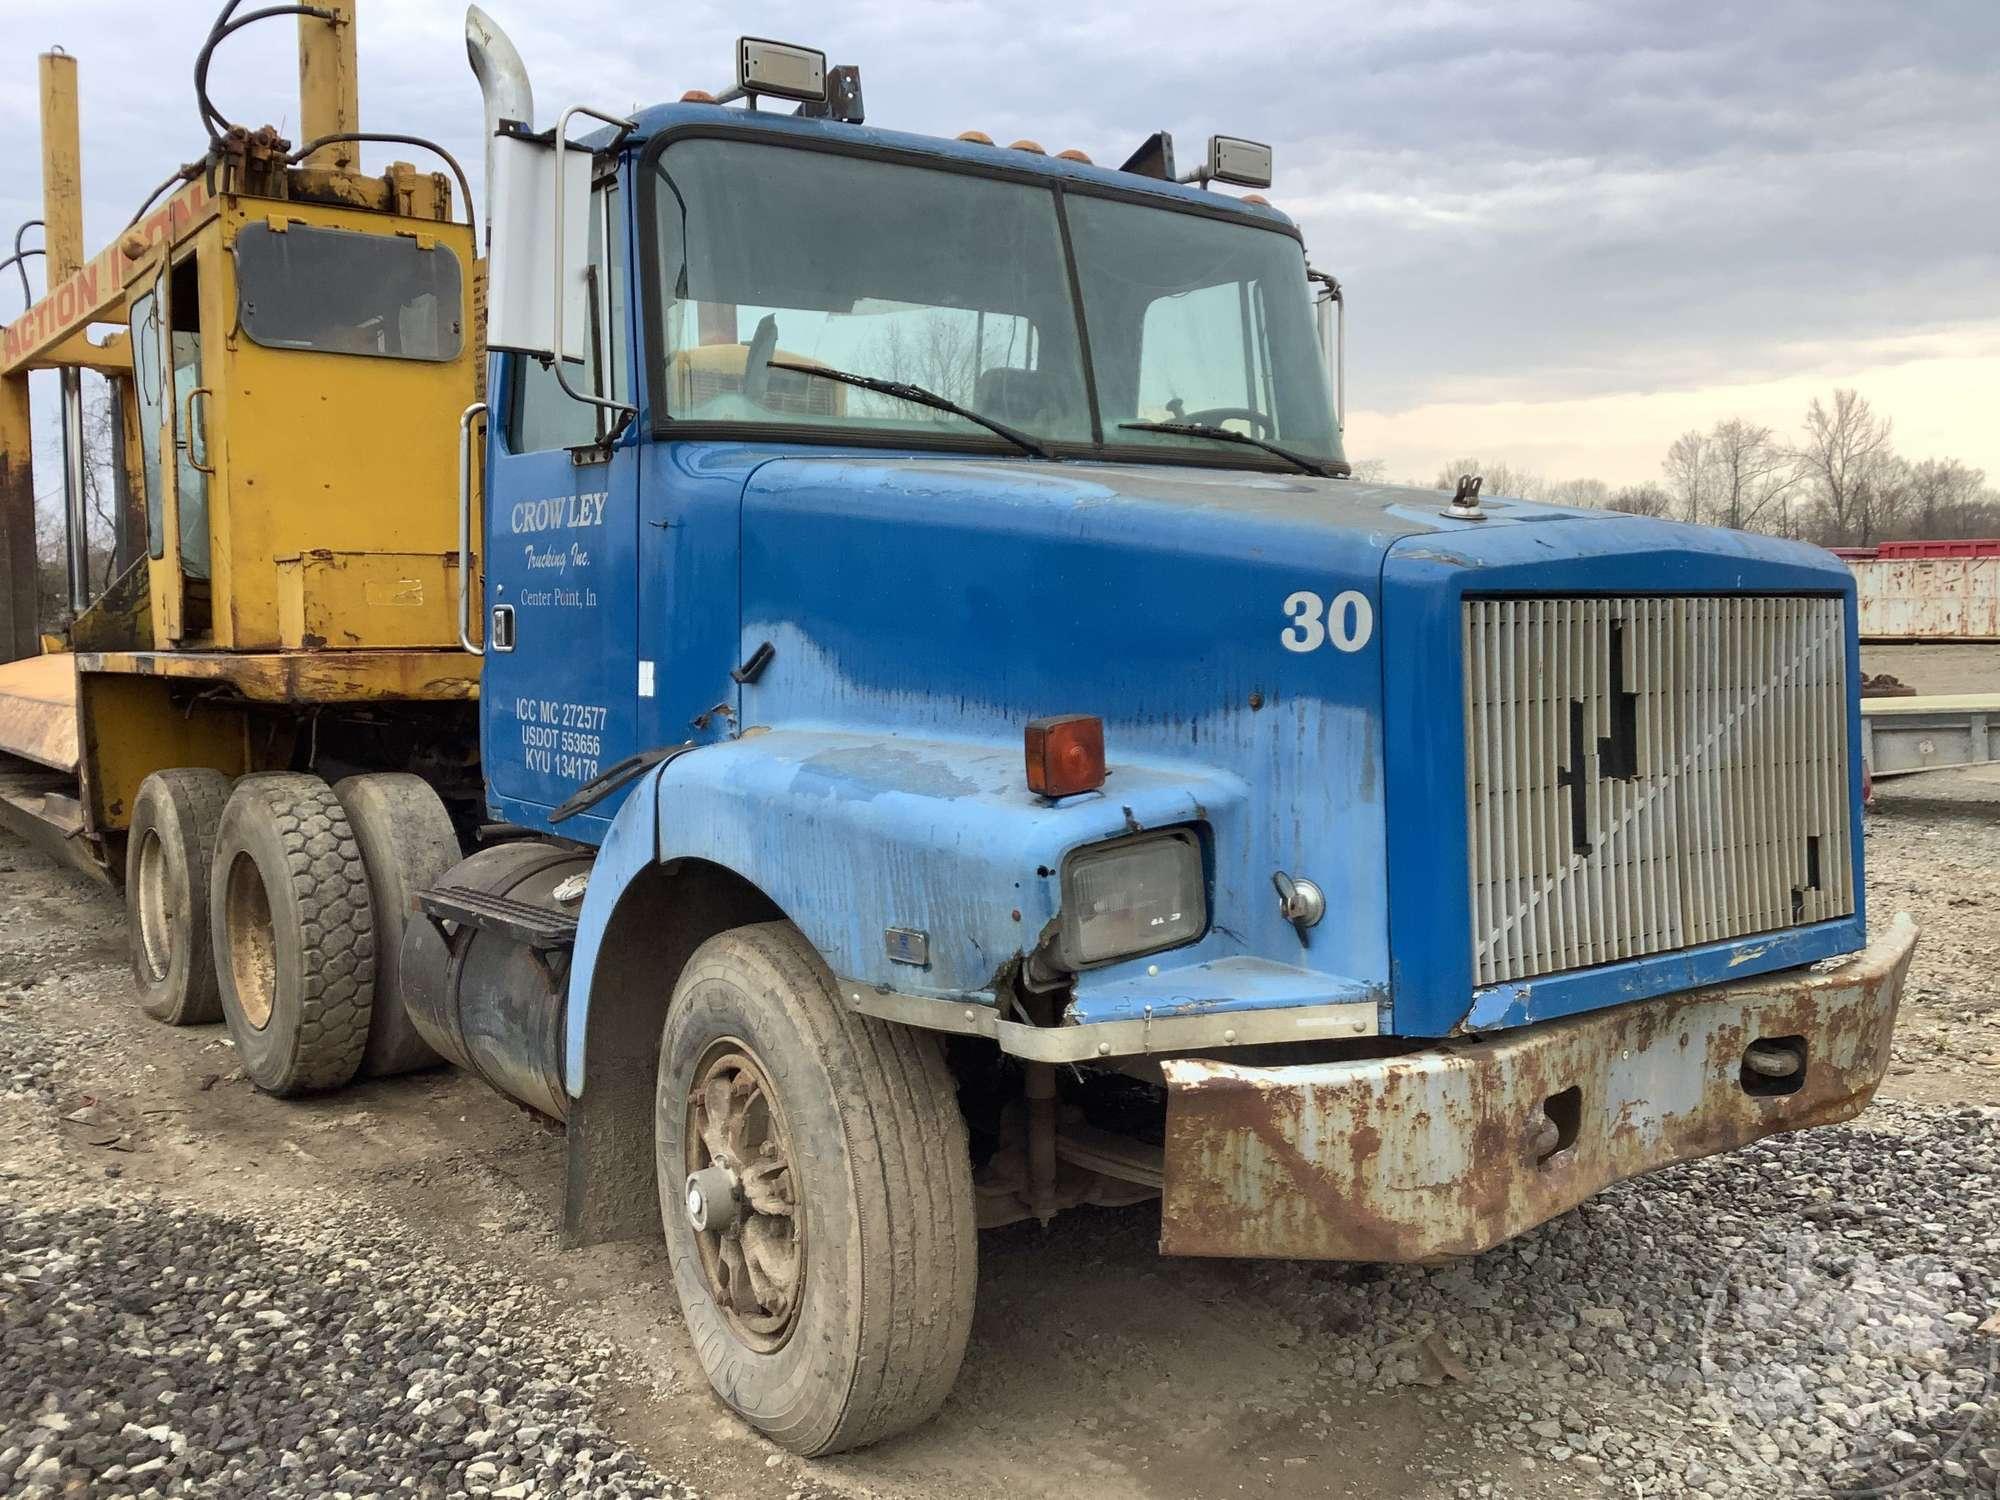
1132 896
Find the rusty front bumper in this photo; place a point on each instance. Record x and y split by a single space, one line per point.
1449 1151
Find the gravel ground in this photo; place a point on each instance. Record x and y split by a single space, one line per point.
206 1291
1797 1318
147 1350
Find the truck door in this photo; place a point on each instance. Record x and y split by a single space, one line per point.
173 372
559 689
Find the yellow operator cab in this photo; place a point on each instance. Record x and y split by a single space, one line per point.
298 345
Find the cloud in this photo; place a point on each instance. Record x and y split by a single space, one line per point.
1530 202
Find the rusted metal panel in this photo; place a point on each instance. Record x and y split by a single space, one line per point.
1900 736
309 676
1940 598
40 807
38 711
1447 1152
19 633
134 726
341 601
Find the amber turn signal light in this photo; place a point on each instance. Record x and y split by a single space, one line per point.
1065 755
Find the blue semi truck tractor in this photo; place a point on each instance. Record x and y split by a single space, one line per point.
958 744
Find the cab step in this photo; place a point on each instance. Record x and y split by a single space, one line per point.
532 926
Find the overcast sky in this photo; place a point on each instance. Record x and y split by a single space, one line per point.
1568 231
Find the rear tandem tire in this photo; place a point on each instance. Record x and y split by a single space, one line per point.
833 1308
294 934
407 843
168 855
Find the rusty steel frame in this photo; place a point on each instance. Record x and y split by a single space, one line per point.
1902 736
1447 1151
306 677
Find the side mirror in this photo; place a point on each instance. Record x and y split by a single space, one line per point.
779 70
1231 159
1238 162
522 258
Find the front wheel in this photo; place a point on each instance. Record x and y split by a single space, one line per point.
817 1197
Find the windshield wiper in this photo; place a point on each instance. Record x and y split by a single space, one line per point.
1230 435
902 390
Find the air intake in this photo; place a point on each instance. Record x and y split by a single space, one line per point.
1647 774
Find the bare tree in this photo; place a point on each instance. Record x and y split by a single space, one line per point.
1845 445
1642 500
1944 497
103 439
1589 493
1500 478
1752 478
1689 477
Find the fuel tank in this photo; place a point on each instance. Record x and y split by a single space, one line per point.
488 1003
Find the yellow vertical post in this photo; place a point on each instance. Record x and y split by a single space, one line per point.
62 230
329 91
62 167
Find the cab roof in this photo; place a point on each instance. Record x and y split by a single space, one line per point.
663 120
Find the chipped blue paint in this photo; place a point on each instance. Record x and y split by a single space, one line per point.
855 833
629 848
1495 1007
1212 987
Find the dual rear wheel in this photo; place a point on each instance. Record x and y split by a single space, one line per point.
277 905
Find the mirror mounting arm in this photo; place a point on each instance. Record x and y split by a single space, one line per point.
562 145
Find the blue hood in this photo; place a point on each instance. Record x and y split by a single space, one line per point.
957 599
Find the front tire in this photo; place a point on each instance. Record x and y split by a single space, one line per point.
817 1196
294 934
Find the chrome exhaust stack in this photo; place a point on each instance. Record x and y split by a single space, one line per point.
503 83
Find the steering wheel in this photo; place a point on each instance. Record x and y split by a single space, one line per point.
1214 416
757 359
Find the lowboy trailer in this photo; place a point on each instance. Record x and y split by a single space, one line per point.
953 742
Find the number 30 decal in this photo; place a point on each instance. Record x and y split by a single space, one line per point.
1348 621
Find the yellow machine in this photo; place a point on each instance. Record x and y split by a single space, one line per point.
299 340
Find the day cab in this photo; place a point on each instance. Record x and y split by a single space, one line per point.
981 753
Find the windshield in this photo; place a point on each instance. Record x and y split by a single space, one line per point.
1195 319
940 279
772 256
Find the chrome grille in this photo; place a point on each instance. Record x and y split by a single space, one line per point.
1646 774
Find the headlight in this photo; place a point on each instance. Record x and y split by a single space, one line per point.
1132 896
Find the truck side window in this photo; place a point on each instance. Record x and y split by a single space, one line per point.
335 291
149 386
542 415
192 462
